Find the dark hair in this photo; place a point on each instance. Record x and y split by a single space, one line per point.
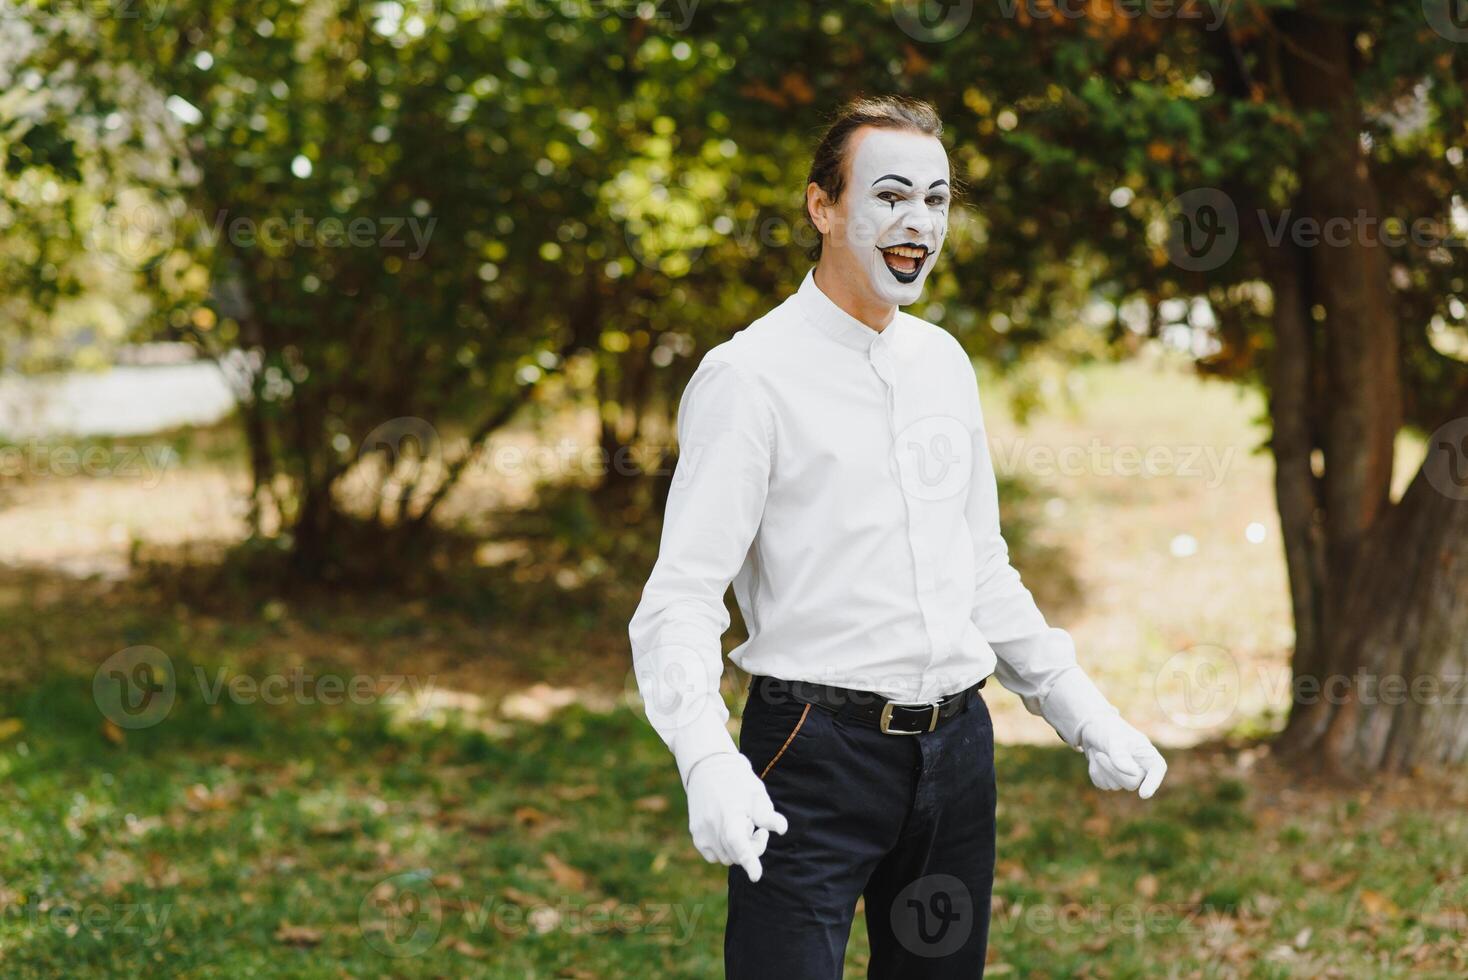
828 165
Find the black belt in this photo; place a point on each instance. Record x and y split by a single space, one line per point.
888 716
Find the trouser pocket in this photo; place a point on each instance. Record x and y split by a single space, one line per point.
789 739
772 732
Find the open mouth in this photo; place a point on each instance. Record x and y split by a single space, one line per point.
905 261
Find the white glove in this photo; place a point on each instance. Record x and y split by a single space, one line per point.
729 812
1121 757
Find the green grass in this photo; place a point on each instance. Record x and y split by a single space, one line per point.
237 840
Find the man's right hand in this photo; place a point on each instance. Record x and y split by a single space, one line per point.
729 812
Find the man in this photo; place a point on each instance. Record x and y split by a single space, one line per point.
834 466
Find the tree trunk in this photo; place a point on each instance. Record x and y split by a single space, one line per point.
1292 370
1405 701
1379 590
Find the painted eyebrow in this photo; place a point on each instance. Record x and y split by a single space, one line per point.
936 183
900 180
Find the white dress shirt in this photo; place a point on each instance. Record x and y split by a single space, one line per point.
840 478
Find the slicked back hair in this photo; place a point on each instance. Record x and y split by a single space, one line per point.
829 164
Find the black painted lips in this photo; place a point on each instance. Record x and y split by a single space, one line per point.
905 277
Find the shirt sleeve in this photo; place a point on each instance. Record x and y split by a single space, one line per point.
1033 659
714 508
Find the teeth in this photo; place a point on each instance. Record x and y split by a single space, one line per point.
906 251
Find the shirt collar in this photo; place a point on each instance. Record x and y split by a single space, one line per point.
836 323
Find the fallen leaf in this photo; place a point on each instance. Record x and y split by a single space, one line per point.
465 948
199 797
1147 886
303 936
478 826
1378 905
10 727
652 804
162 871
1311 871
529 816
112 733
521 898
1089 878
335 829
1011 871
565 875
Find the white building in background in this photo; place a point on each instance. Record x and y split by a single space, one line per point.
151 388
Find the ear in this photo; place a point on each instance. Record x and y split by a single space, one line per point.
819 206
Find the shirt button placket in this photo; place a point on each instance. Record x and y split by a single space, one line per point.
881 359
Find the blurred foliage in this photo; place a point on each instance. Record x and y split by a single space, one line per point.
599 193
75 139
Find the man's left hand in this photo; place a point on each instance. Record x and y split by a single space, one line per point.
1121 757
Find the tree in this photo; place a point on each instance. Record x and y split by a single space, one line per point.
1379 588
66 293
522 213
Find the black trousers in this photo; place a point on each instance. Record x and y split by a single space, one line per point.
904 821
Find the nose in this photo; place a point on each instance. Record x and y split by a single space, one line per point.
918 220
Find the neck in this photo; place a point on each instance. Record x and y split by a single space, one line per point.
869 310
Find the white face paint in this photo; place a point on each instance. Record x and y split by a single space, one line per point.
896 202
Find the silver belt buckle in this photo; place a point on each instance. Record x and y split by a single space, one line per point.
887 716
